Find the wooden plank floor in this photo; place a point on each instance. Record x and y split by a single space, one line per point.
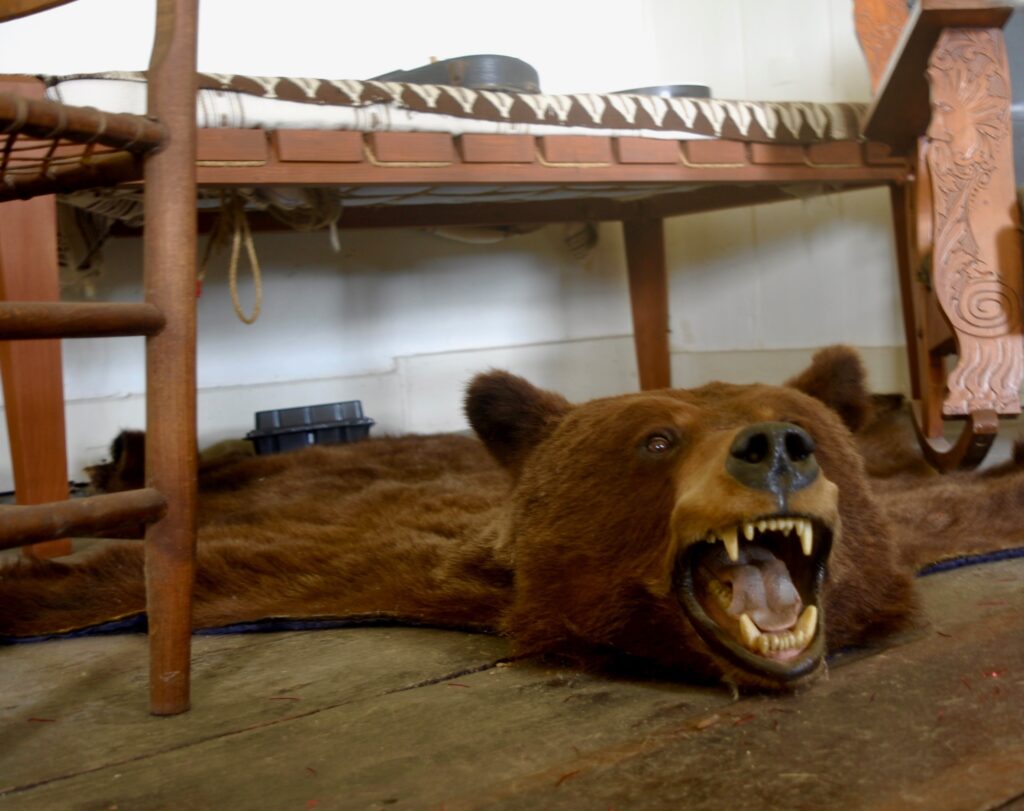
389 718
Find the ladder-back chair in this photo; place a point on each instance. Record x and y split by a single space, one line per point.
49 148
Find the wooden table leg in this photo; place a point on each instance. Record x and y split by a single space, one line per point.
906 267
929 339
648 293
31 370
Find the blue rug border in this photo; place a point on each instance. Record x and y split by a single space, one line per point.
970 560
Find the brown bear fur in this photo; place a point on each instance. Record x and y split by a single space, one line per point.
568 545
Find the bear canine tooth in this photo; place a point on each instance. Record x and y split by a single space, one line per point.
732 544
748 631
808 621
806 537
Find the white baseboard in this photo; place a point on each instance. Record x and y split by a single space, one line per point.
423 393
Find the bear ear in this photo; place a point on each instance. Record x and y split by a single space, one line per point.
511 415
836 377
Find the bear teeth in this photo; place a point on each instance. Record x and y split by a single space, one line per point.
730 537
764 643
732 544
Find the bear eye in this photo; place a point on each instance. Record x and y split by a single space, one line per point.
659 443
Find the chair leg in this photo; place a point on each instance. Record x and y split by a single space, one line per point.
170 274
31 370
648 293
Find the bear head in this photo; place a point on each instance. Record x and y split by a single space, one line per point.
720 532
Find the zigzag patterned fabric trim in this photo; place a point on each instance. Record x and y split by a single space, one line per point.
756 121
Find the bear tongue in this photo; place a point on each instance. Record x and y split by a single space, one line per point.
761 588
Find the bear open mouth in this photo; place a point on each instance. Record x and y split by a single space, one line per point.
751 591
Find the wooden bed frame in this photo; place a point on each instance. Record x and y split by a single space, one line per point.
954 211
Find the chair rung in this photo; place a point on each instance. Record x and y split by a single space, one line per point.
25 524
66 319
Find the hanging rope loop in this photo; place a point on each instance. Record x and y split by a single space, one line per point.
233 226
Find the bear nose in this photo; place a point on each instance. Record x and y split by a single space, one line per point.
773 456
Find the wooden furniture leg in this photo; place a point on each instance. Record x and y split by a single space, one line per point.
31 370
170 277
968 227
906 264
648 293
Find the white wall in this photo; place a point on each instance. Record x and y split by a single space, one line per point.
400 319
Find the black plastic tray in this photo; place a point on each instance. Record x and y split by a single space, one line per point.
291 429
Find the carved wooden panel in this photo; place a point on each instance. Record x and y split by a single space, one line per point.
879 24
977 252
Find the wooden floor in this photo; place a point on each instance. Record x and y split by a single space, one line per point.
389 718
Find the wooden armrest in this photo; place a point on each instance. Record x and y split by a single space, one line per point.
900 111
13 9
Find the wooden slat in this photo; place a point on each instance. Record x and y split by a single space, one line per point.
778 153
485 148
412 147
646 150
576 149
881 154
61 319
23 524
227 144
715 152
844 153
301 146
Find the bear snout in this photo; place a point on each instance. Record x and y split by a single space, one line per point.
777 457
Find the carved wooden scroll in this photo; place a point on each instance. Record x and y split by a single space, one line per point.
977 253
879 24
